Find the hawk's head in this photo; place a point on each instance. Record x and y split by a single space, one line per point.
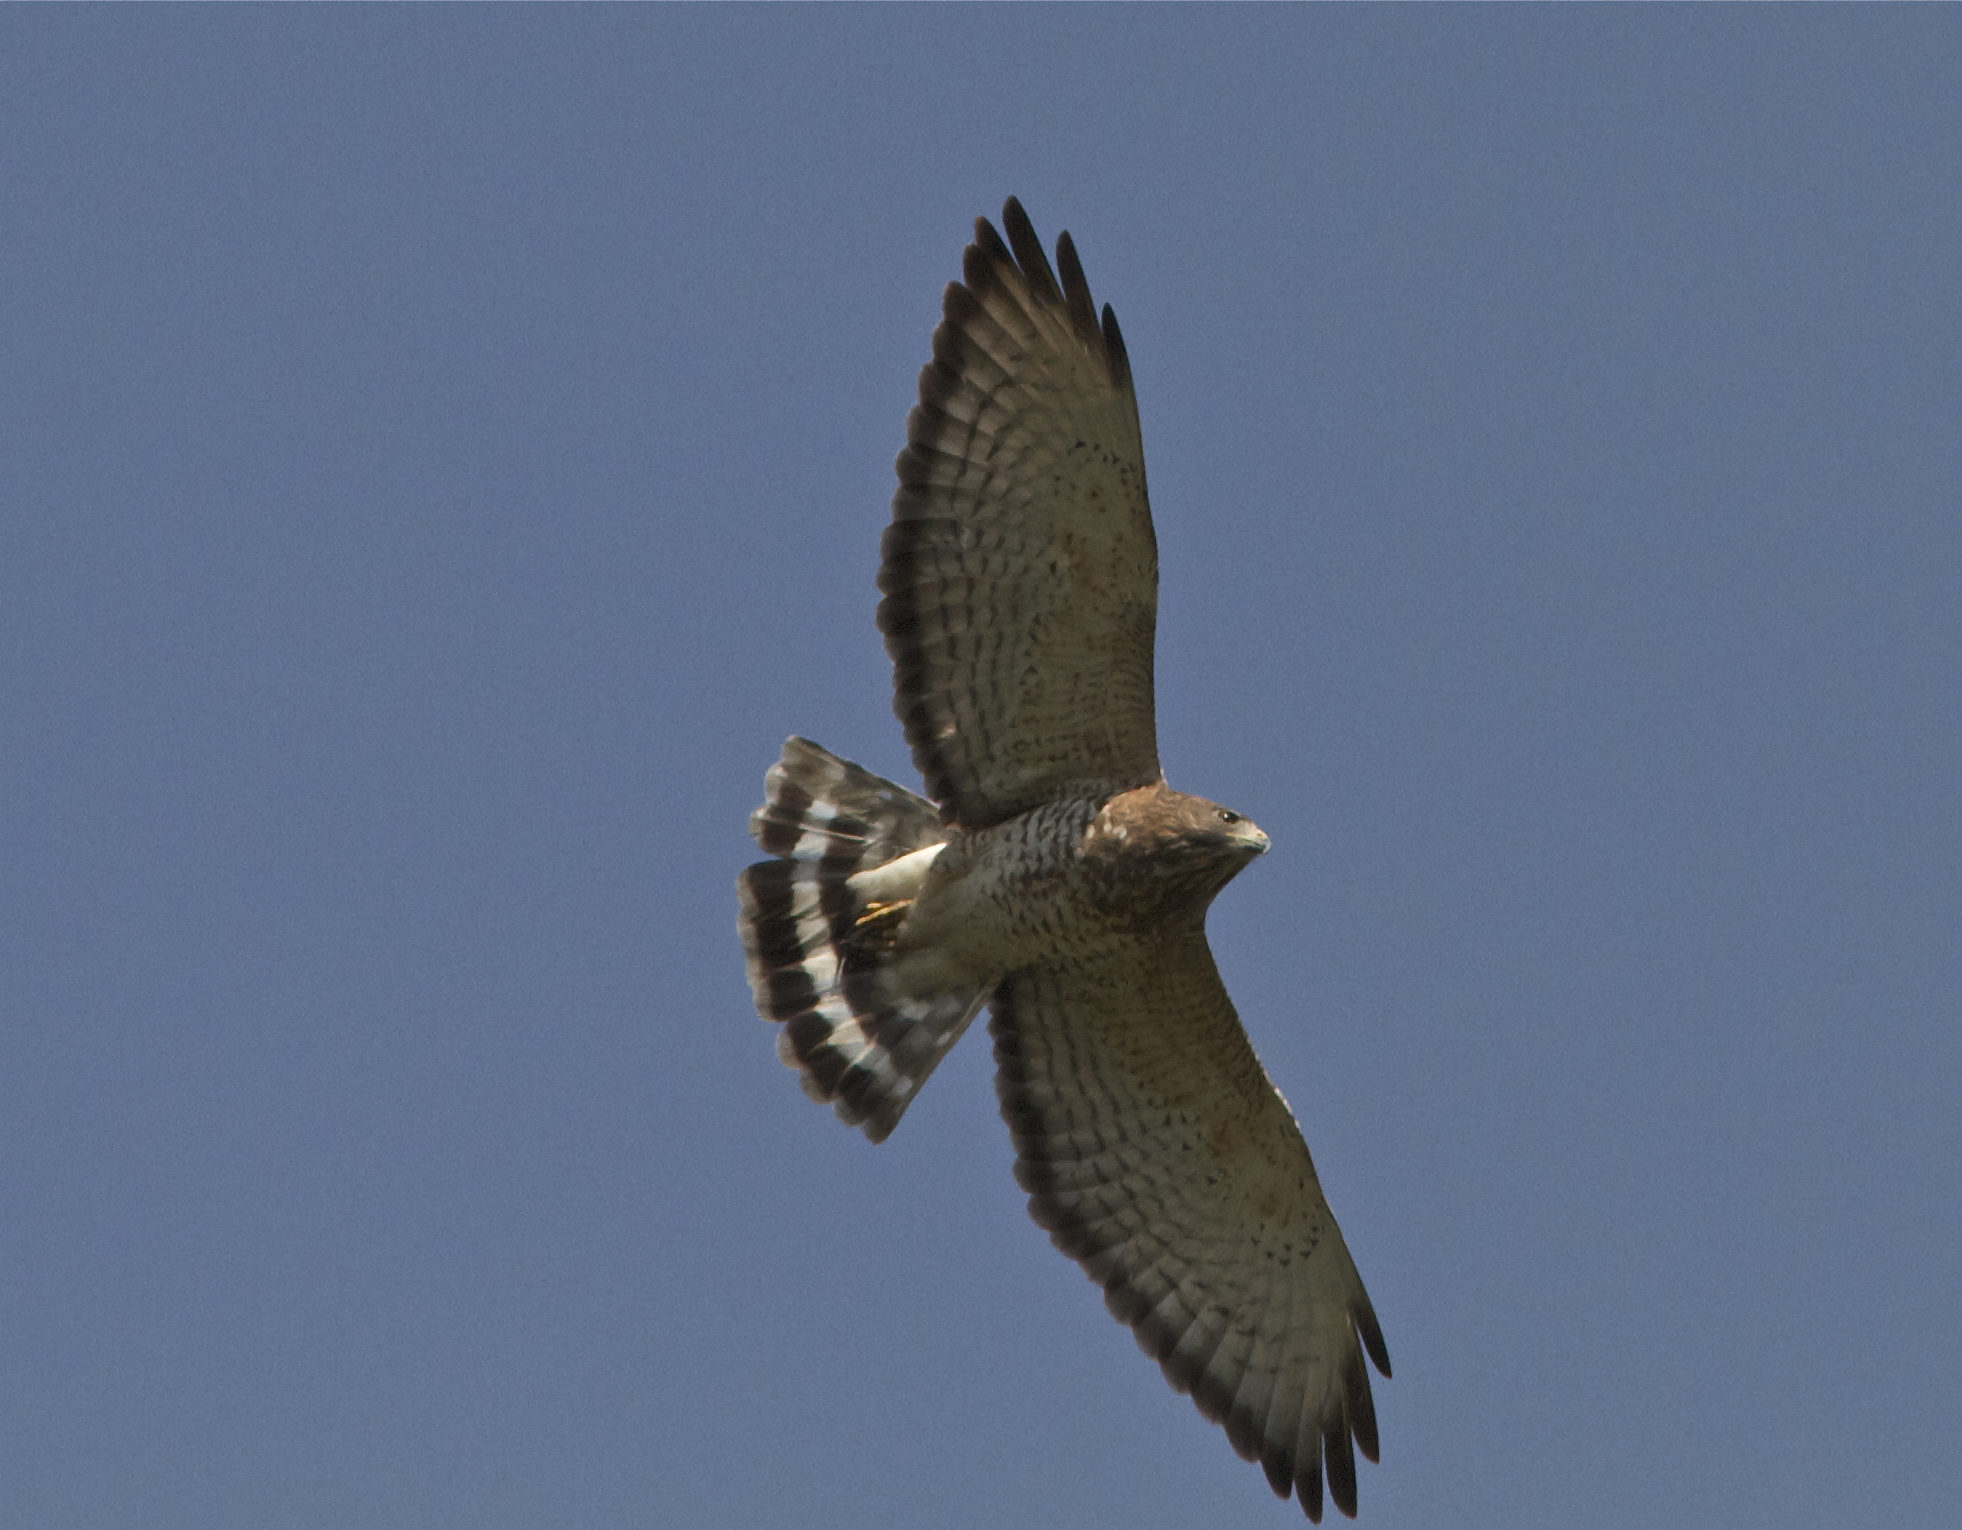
1161 849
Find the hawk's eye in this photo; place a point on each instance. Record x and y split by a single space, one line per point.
1226 817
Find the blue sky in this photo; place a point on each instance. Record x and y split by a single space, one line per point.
446 451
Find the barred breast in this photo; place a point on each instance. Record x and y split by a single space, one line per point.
1003 898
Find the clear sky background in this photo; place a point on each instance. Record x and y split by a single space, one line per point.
445 451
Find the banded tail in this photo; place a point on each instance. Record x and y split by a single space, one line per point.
817 931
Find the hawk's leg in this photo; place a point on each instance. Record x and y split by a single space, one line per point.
875 932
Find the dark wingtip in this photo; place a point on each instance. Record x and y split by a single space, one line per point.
1362 1408
1308 1486
1076 292
1372 1337
1024 250
1339 1463
987 247
1029 253
1120 359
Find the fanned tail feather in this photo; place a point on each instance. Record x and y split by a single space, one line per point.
816 947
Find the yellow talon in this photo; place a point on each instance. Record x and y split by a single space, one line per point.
878 926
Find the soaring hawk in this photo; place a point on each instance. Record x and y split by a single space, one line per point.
1055 877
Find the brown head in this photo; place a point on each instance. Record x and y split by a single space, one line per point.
1160 851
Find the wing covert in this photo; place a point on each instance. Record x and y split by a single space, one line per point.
1161 1158
1020 573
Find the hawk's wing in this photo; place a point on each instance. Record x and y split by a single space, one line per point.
1159 1156
1020 573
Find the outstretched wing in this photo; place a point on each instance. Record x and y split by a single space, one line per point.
1020 573
1159 1156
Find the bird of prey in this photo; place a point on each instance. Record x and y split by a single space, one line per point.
1051 875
